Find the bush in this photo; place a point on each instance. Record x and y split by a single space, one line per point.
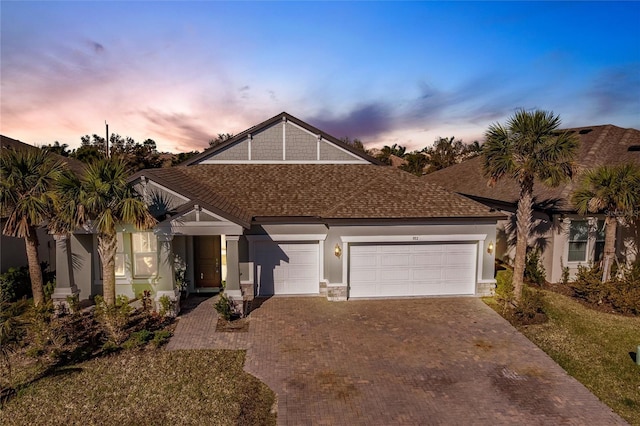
504 286
588 284
534 272
138 339
531 309
114 319
15 284
160 338
224 307
623 292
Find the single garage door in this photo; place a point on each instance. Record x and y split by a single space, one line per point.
286 268
412 270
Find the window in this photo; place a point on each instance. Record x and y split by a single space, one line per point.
599 245
144 246
120 255
578 238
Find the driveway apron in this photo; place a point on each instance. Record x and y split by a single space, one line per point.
406 361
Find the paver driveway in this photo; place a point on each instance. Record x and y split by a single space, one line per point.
410 361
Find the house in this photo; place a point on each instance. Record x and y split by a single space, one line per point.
284 208
565 239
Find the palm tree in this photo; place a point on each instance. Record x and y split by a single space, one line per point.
103 200
529 147
27 200
614 191
387 151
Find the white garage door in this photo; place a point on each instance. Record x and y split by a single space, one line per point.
286 268
412 270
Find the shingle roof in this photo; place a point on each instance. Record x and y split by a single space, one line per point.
320 191
6 142
599 145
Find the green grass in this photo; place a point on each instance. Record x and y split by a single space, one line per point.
146 388
594 347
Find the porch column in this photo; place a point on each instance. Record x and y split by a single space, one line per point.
232 288
165 274
65 284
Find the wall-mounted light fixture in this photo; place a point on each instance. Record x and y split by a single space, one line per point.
337 250
490 247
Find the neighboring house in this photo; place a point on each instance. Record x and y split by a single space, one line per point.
565 238
285 209
12 250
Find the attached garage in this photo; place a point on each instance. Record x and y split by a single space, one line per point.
286 268
421 269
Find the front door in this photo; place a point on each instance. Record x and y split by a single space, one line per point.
207 261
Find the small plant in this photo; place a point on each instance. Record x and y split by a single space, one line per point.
73 304
13 324
532 306
166 306
534 272
160 338
114 319
504 286
588 284
138 339
180 268
224 307
565 275
147 303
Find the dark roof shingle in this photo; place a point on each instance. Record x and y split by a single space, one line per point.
599 145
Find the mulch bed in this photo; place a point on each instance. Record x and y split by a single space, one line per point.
240 325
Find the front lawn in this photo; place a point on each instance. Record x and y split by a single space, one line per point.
149 387
596 348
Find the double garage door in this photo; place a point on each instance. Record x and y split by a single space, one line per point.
286 268
412 270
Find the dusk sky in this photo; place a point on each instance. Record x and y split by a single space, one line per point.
384 72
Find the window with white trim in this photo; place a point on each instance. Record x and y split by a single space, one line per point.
578 241
144 246
120 269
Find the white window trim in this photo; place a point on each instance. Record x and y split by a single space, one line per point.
592 239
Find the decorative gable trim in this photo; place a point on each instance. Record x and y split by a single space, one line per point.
243 148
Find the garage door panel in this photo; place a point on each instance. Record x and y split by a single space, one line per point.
412 270
286 268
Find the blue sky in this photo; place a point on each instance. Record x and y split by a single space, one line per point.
384 72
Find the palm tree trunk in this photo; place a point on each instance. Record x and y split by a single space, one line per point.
524 216
107 245
35 273
611 226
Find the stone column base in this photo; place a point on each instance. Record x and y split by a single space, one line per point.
60 298
486 288
337 292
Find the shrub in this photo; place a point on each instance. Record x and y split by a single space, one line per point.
166 306
623 292
531 309
114 319
138 339
15 284
588 284
504 286
534 272
160 338
224 307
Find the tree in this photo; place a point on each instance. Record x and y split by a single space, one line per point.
220 139
182 157
529 147
355 143
444 153
104 199
57 148
27 200
387 151
415 162
614 191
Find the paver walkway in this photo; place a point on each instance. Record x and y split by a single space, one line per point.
388 362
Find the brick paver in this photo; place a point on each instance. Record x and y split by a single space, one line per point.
383 362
